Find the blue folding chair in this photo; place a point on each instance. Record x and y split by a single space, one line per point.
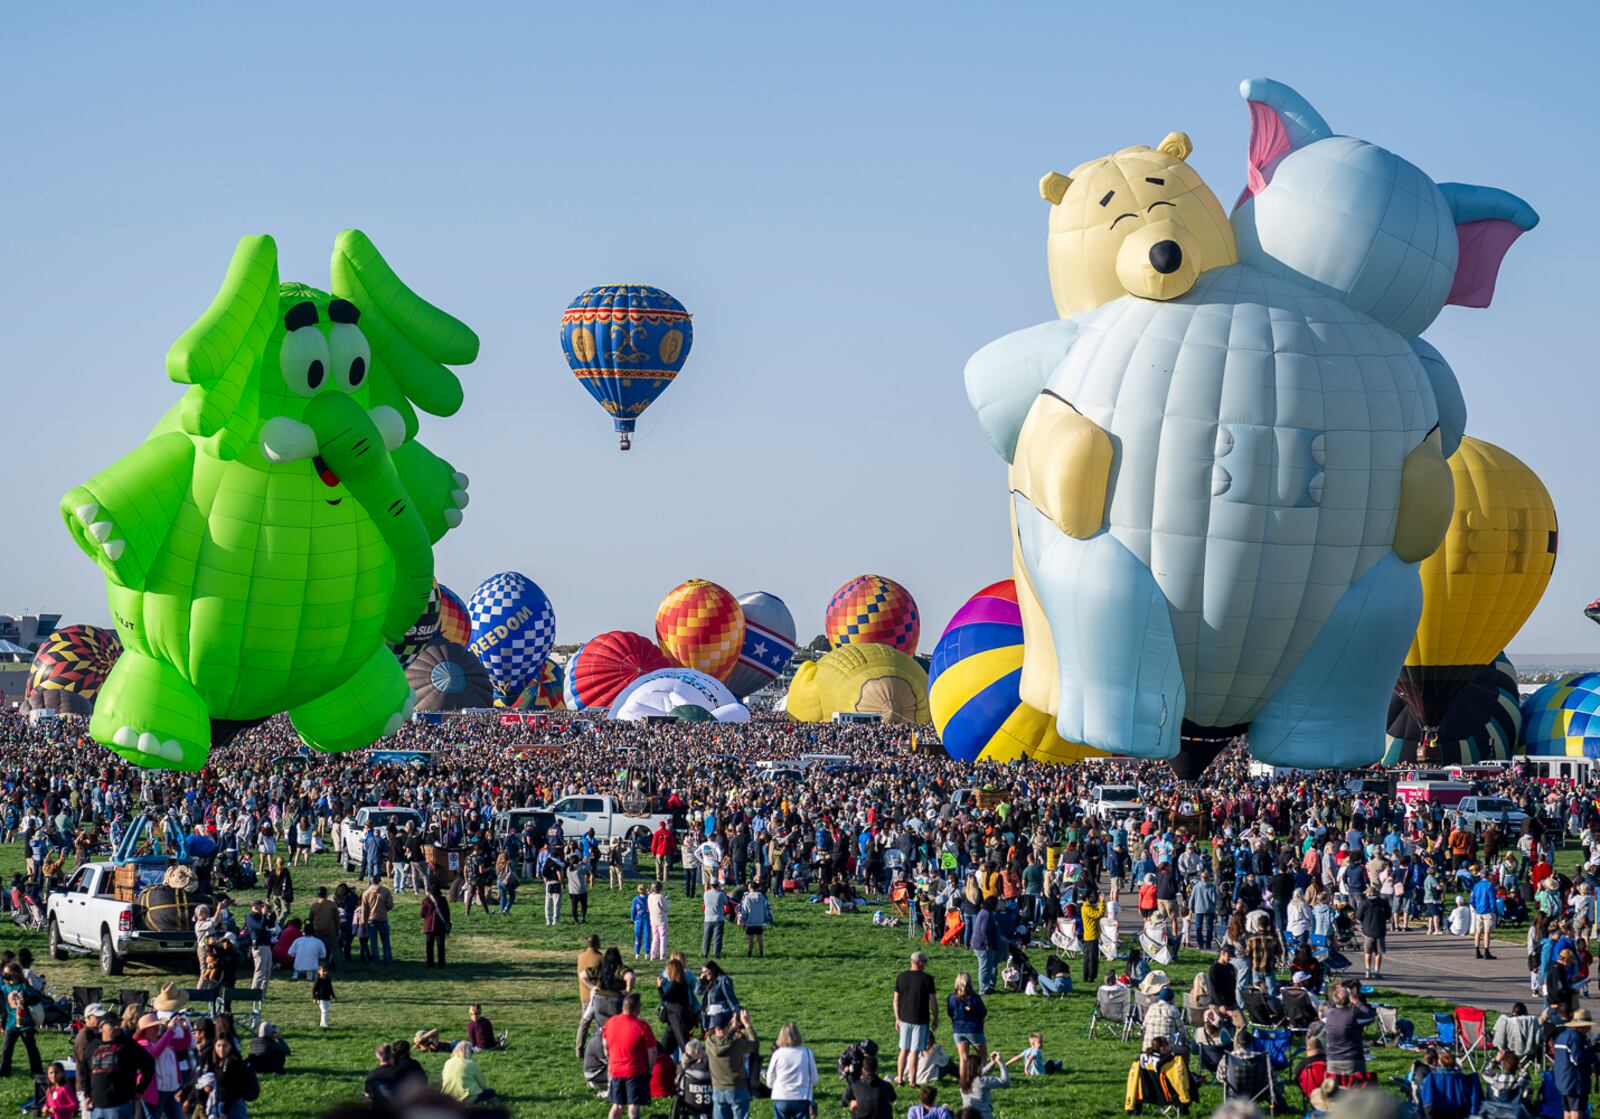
1276 1044
1444 1026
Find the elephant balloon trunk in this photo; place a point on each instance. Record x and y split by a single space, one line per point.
352 450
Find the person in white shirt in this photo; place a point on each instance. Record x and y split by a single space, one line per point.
791 1073
659 906
305 954
1460 920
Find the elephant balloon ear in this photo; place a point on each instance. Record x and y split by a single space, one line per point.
1488 220
413 339
1281 121
221 352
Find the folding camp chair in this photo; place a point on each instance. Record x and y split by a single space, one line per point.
1472 1036
1264 1010
1113 1012
85 997
1141 1003
1388 1022
129 996
1276 1044
1247 1076
1194 1013
1298 1012
244 996
1162 1084
1332 962
1444 1030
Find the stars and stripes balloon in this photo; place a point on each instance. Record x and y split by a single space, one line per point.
606 664
872 610
769 643
700 625
513 630
625 344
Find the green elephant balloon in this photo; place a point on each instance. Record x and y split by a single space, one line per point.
274 534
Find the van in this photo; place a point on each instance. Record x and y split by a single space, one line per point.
518 819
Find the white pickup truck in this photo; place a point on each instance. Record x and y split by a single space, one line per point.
85 916
1110 803
1478 813
605 814
353 829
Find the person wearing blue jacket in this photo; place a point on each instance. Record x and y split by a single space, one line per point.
985 944
640 912
1573 1065
1484 907
1448 1092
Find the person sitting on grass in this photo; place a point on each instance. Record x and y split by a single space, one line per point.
480 1031
462 1078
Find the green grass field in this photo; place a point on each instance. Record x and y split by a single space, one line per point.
831 975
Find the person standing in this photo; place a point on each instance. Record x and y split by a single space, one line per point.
791 1075
19 998
323 920
755 913
1374 916
552 869
119 1072
1090 913
1484 908
663 845
916 1012
630 1055
660 906
1203 904
985 942
712 904
579 873
435 914
258 928
1574 1065
376 903
639 911
728 1050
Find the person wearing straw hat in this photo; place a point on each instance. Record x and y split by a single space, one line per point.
1573 1064
170 999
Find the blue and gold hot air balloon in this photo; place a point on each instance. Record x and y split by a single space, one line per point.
626 343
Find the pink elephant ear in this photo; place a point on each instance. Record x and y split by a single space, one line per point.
1488 222
1280 121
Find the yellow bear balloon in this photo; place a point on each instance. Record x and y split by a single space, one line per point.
1484 580
1098 248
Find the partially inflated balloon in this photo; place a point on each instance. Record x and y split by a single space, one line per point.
862 680
701 626
972 687
605 665
1481 724
513 630
625 344
455 624
1562 719
872 610
1592 611
546 694
1485 579
422 631
768 643
446 677
70 667
664 691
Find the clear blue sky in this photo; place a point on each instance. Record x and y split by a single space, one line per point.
844 195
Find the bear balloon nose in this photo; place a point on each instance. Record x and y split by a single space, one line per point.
1166 257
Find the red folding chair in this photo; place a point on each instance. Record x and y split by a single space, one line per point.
1472 1036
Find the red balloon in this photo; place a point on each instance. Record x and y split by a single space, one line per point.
608 663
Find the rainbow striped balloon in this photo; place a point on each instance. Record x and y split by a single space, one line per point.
972 691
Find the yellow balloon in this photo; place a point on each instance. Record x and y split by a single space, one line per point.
862 679
1485 579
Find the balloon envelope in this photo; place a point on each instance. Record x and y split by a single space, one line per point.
422 631
545 694
972 687
1562 719
513 630
606 664
768 643
872 610
455 624
446 677
1484 580
701 626
69 668
1482 723
664 691
864 680
626 343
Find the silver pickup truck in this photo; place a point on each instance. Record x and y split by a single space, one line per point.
85 916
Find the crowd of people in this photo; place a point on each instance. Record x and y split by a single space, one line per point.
1287 878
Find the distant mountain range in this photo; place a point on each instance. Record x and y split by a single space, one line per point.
1545 665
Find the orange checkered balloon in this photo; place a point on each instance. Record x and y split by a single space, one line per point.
701 626
872 610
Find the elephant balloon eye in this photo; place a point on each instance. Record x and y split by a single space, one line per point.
304 360
350 355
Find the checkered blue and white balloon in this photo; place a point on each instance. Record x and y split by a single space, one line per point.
513 630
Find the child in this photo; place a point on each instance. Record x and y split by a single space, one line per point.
60 1102
1032 1058
929 1108
640 912
322 993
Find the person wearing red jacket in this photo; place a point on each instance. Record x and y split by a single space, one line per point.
663 845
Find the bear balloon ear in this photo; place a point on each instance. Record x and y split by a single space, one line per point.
1281 121
1177 145
1488 220
1053 187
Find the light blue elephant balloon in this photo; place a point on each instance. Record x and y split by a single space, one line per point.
1245 576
